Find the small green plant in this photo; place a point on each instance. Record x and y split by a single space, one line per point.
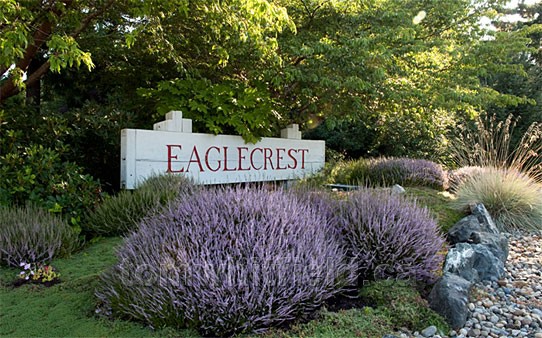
513 199
400 302
38 272
121 213
32 234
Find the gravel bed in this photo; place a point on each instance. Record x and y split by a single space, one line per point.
510 307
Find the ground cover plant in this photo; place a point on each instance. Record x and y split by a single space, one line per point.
228 261
439 203
388 171
396 304
33 235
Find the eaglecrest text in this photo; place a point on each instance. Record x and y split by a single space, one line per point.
215 158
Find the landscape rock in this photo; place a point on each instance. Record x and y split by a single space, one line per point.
397 189
486 221
463 230
474 262
429 331
496 243
449 298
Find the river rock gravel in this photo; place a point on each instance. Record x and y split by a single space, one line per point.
512 306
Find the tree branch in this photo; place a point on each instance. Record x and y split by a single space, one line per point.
88 19
35 76
41 35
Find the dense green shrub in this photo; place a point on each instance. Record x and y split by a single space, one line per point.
33 235
512 198
121 213
38 175
82 132
388 171
227 261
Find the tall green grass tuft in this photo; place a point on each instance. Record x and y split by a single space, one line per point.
512 198
122 213
33 235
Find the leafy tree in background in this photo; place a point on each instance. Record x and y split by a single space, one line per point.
400 74
133 45
529 83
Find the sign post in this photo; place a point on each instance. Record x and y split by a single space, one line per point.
215 159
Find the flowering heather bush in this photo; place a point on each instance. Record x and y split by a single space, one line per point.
389 171
122 213
513 198
227 261
407 171
390 236
31 234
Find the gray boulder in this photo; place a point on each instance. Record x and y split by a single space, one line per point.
486 222
463 230
497 244
449 298
474 262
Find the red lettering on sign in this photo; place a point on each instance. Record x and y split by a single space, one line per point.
279 158
207 159
174 157
226 161
303 151
294 159
196 160
241 158
252 158
267 153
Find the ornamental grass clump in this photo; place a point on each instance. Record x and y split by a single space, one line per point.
31 234
390 236
227 261
459 176
122 213
489 144
513 199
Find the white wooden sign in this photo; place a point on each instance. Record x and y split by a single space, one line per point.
215 159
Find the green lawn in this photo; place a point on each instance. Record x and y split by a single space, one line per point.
67 309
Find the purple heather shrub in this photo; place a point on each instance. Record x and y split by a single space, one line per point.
227 261
406 171
390 236
33 235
